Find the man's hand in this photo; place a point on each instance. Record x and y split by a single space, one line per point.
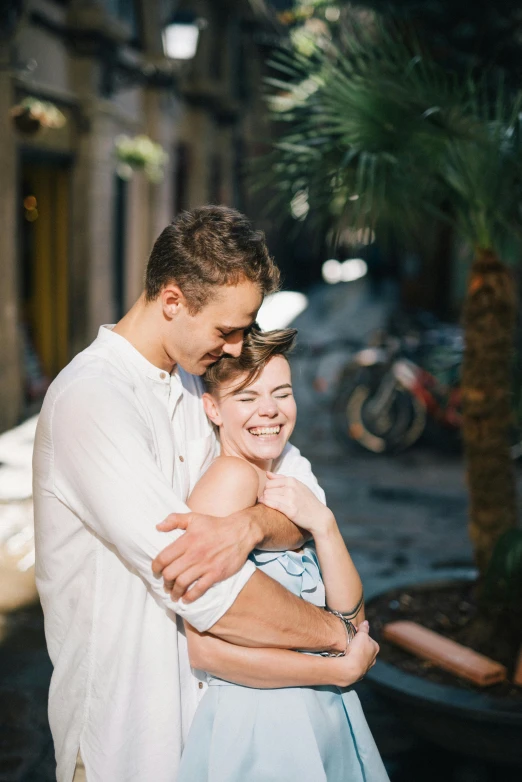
211 550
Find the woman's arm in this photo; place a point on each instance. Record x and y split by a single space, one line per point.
230 484
272 668
342 582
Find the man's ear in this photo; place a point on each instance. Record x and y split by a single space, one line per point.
172 299
211 409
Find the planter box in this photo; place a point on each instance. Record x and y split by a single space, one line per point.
472 723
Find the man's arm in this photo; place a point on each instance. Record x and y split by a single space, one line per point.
105 471
266 614
229 485
230 541
220 545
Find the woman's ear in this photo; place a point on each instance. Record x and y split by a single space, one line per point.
211 409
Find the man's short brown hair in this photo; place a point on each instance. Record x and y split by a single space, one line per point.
207 247
258 348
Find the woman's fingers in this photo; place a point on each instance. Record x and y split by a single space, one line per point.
269 497
275 503
277 483
276 491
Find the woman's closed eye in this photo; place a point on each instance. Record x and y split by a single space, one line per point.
251 398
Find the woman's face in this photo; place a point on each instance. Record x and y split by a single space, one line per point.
255 423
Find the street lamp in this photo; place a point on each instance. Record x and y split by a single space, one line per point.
181 35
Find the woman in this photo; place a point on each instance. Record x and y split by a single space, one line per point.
273 714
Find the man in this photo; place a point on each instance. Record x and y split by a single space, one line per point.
121 441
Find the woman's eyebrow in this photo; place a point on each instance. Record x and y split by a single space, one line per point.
245 391
256 393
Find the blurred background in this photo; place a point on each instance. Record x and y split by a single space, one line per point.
377 144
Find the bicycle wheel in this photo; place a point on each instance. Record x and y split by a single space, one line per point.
377 428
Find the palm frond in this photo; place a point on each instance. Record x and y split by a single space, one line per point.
374 132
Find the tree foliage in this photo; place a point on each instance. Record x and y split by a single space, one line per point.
374 132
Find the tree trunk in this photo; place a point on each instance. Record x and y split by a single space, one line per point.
489 322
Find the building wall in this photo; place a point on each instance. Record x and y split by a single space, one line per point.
201 110
10 358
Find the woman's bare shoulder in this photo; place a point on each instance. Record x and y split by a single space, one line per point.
232 468
230 484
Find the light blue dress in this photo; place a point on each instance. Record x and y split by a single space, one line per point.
295 734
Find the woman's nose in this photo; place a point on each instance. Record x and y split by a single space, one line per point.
268 408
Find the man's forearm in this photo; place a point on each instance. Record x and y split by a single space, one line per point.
272 530
266 614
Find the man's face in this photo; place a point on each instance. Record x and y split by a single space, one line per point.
195 341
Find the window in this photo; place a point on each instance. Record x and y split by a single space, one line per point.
125 11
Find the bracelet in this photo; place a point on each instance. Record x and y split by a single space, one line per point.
350 614
350 634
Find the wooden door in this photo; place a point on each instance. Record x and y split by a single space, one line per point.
44 270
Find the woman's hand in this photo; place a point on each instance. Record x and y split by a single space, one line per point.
297 502
359 658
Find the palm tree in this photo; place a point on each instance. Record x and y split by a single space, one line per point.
375 135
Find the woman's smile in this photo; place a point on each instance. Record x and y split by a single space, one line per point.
266 432
256 422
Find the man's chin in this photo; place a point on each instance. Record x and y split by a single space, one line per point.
198 367
193 367
201 367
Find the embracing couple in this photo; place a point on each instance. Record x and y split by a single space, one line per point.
203 616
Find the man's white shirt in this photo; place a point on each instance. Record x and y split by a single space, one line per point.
119 445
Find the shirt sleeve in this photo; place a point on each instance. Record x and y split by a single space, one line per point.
106 470
293 465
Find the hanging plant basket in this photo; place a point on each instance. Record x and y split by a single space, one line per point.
32 115
140 153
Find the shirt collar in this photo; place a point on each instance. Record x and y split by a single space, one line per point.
137 359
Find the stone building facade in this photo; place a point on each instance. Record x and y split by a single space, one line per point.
75 236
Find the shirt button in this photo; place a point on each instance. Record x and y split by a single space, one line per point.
200 685
182 458
163 375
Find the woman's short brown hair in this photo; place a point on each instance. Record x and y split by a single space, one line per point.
258 348
206 247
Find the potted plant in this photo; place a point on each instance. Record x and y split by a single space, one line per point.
140 153
32 115
376 135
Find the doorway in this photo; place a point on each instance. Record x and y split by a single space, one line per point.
43 271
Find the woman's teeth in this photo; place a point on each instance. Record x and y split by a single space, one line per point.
260 430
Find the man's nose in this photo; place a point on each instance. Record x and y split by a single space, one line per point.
234 347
